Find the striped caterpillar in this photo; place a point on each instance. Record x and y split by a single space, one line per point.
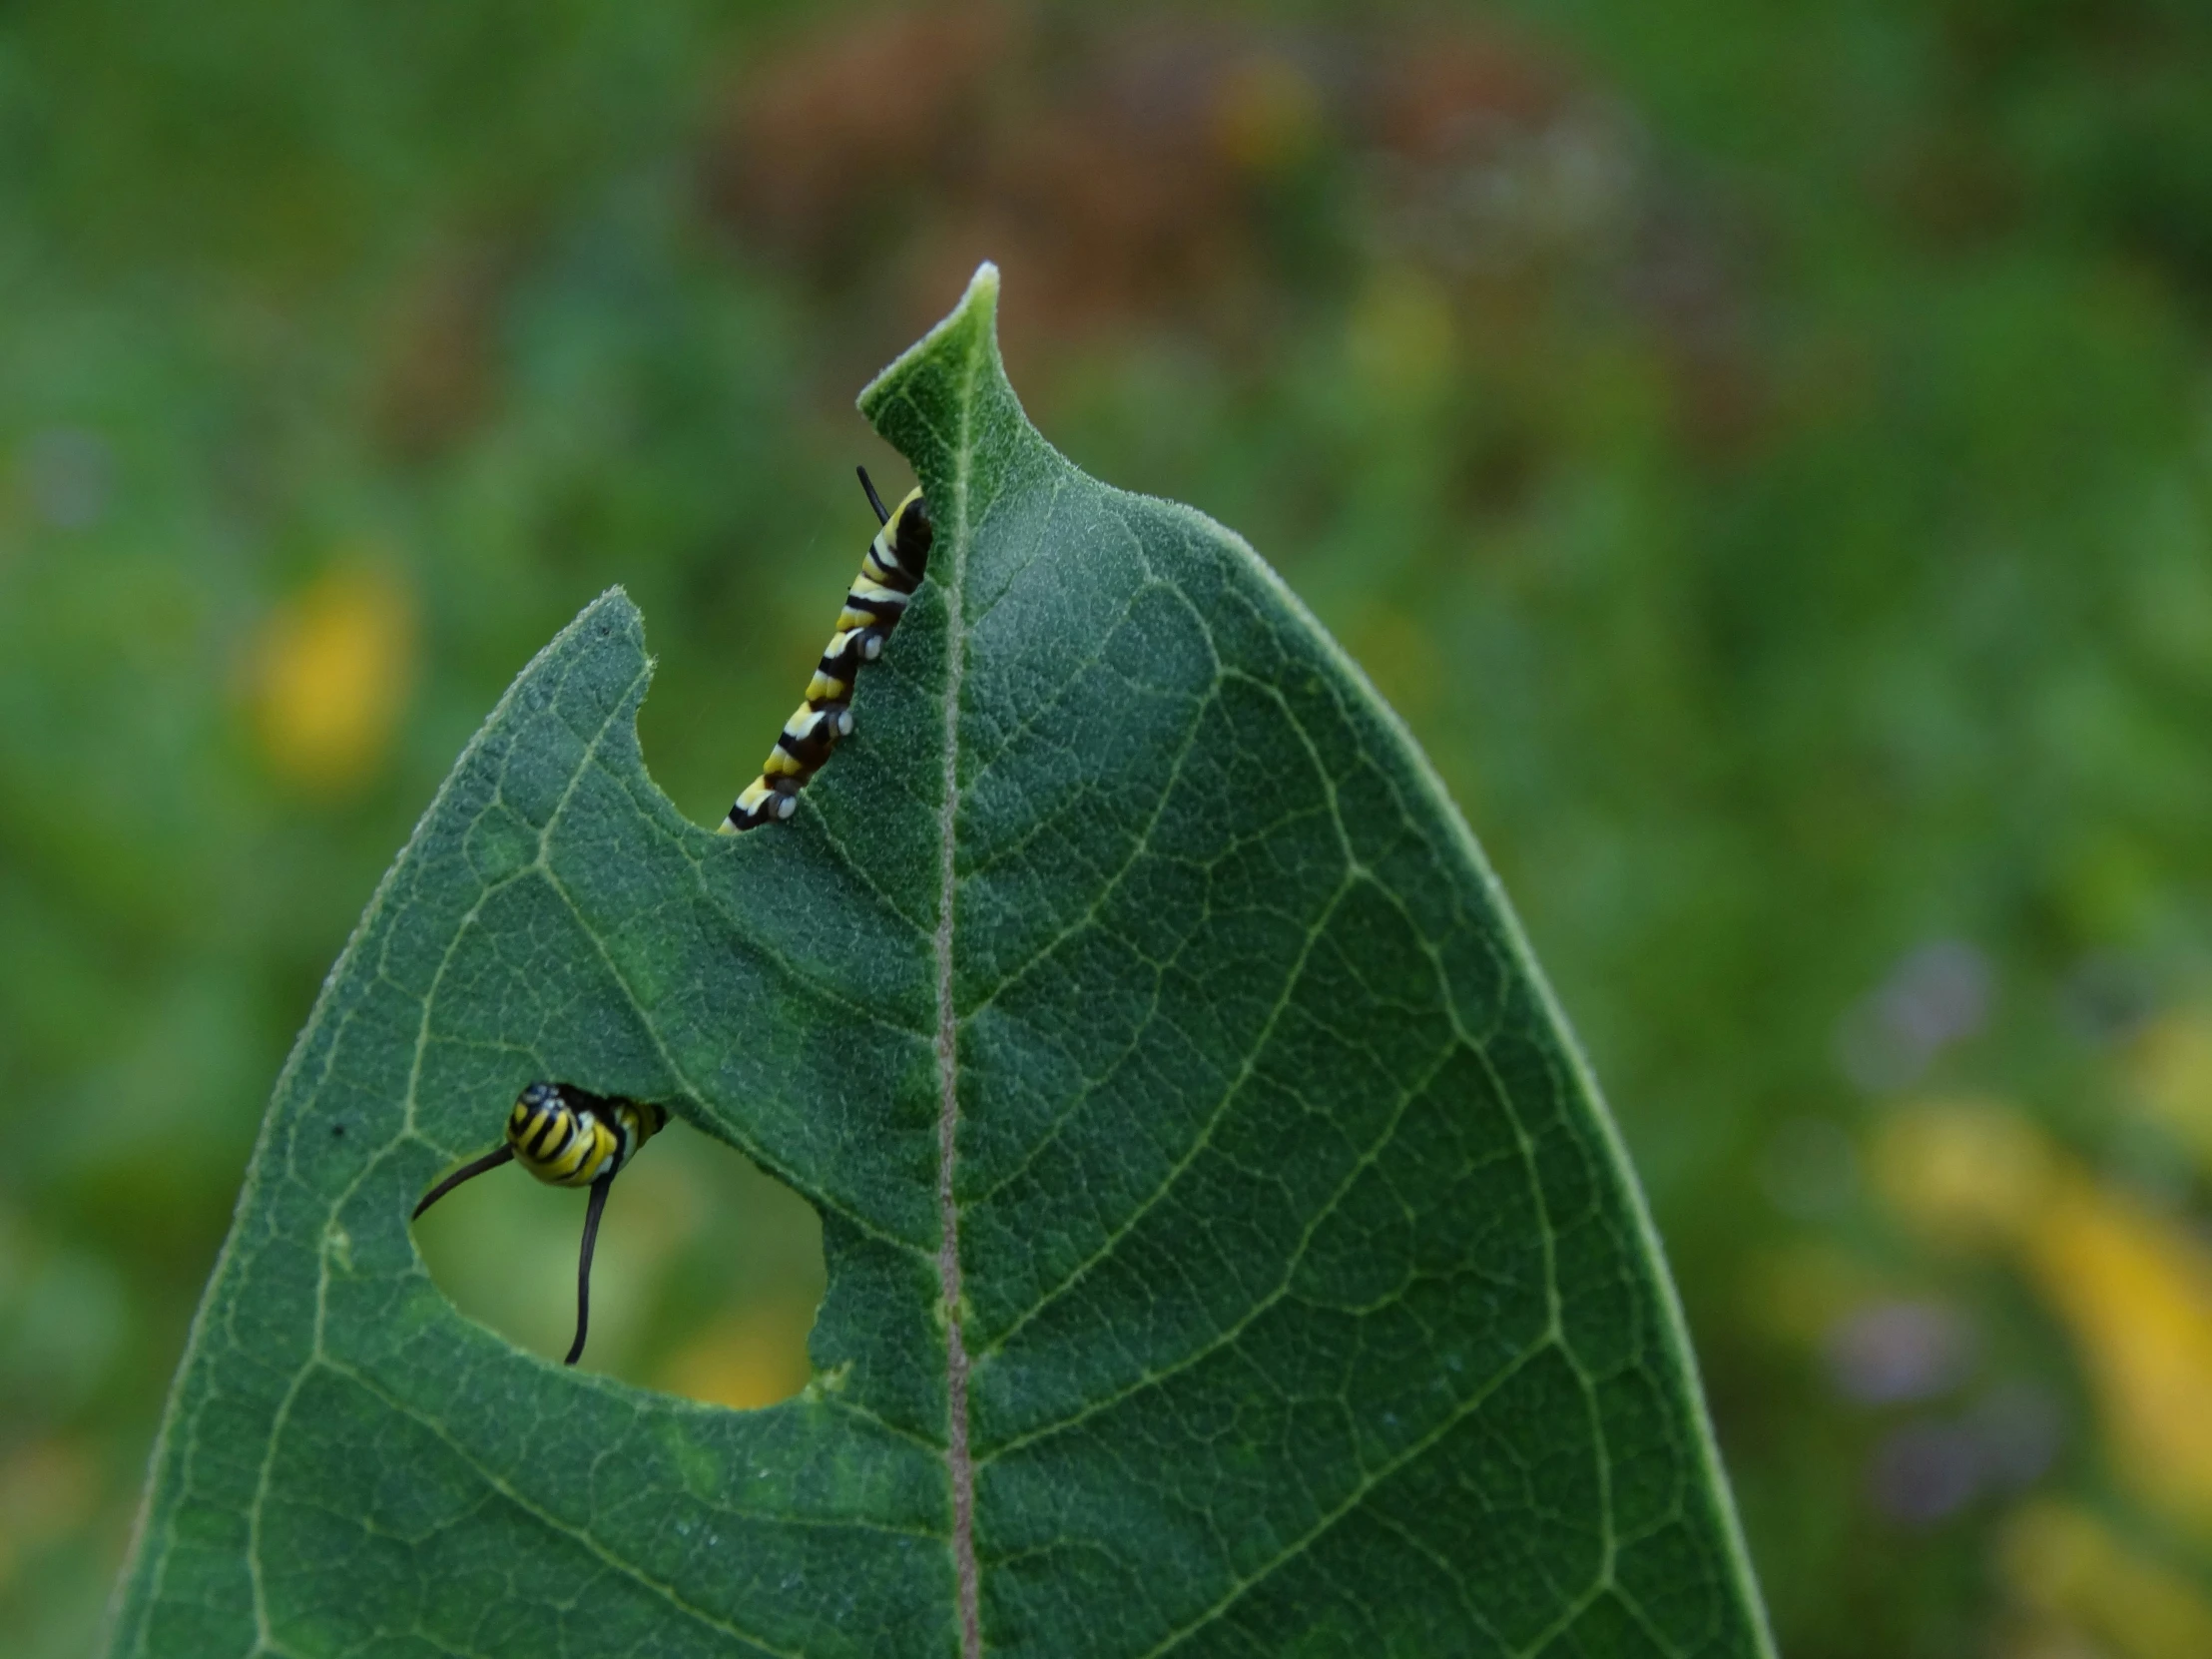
567 1136
891 571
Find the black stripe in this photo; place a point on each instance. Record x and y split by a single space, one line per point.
916 534
765 812
560 1126
900 577
885 612
811 748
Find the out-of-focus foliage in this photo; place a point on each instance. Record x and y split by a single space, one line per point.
1779 493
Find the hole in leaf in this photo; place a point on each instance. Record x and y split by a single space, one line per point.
705 1283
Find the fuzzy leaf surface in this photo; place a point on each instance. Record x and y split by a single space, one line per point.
1127 967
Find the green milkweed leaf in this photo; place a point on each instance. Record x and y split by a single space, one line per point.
1228 1251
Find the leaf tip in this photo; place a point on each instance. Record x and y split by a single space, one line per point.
609 624
972 323
982 288
977 309
613 611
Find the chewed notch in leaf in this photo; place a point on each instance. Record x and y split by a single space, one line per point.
1228 1251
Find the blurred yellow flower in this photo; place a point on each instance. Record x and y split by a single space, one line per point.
331 671
1965 1172
2134 1288
2064 1563
755 1356
2169 1063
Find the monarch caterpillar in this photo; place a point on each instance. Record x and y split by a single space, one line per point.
567 1136
891 571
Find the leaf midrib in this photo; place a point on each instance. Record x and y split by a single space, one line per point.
959 1463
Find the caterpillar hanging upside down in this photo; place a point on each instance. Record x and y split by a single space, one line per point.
567 1136
890 573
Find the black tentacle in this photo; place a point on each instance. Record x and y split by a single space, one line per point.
883 513
467 1172
583 1265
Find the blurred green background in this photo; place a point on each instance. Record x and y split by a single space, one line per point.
1765 452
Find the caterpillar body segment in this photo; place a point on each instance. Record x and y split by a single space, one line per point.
567 1136
891 571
